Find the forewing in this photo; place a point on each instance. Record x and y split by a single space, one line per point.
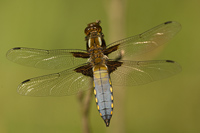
45 59
142 72
64 83
144 42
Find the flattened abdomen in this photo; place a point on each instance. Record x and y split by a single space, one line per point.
103 92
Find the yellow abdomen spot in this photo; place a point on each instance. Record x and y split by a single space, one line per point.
111 97
112 105
109 81
95 92
96 100
111 89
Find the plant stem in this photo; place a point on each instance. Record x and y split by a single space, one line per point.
84 99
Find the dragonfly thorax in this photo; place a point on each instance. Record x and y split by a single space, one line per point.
97 57
94 42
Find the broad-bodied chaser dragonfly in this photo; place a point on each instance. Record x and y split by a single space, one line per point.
98 62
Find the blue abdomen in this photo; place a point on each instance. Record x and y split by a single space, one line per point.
103 92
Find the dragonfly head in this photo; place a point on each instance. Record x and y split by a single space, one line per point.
94 35
93 28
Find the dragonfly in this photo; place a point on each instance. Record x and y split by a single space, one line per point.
99 63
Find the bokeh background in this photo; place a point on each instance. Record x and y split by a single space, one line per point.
167 106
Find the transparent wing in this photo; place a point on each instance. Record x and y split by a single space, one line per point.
64 83
146 41
142 72
45 59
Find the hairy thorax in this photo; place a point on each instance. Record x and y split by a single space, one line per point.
97 57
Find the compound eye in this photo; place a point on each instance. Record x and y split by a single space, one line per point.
87 30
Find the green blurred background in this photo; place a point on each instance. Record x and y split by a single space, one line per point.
167 106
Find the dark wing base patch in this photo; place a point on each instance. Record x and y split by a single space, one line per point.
85 70
112 65
111 49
